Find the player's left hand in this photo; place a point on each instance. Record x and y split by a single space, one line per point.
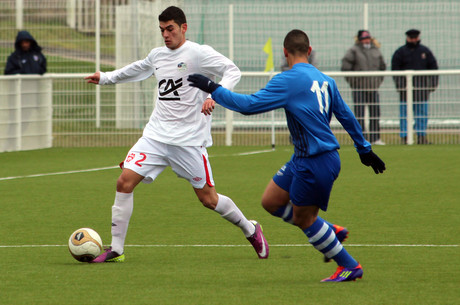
94 79
202 82
371 159
208 106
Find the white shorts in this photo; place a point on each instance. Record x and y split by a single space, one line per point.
149 158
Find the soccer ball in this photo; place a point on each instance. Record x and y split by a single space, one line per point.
85 244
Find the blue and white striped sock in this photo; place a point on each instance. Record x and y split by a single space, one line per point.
329 223
285 212
323 238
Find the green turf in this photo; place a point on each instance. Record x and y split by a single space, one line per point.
414 203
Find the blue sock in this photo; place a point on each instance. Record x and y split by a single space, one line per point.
322 237
285 213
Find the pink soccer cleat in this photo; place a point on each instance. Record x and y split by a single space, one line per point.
258 241
109 256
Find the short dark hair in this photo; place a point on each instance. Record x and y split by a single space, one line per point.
173 13
297 42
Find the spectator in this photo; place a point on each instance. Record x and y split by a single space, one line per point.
415 56
365 55
27 58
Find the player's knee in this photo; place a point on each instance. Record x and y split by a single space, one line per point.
266 205
303 221
209 201
124 185
266 202
209 204
269 205
207 196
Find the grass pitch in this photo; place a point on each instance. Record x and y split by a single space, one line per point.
404 231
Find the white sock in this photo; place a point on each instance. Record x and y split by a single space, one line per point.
122 210
228 210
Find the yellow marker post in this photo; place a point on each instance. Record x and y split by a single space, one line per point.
269 66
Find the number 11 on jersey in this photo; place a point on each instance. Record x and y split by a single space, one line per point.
323 108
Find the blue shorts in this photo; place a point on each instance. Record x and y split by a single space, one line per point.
309 180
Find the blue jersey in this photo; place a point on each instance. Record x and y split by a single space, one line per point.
309 99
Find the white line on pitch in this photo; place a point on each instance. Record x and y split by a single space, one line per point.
243 153
60 173
255 152
116 166
235 246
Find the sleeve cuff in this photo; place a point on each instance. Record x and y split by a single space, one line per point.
103 79
364 149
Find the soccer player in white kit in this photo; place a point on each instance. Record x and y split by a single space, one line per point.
178 132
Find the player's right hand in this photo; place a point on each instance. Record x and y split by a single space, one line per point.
94 79
208 106
371 159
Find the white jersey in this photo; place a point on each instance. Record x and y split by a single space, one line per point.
177 118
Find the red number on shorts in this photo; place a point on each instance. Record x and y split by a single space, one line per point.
138 162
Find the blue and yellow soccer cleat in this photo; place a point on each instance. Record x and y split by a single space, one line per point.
342 235
109 256
345 274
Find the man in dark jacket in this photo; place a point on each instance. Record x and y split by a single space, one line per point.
415 56
27 58
365 55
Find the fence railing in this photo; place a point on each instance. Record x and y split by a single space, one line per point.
84 116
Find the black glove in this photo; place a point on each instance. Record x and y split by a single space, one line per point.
371 159
202 82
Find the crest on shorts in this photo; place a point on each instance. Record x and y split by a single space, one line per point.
130 157
281 171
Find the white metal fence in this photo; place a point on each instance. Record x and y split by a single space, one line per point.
25 113
81 36
79 120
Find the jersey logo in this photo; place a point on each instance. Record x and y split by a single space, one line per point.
182 66
169 87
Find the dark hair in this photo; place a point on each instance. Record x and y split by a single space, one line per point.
297 42
173 13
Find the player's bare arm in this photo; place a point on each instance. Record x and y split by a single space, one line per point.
94 79
208 106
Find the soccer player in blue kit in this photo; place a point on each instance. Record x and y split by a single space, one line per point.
303 185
